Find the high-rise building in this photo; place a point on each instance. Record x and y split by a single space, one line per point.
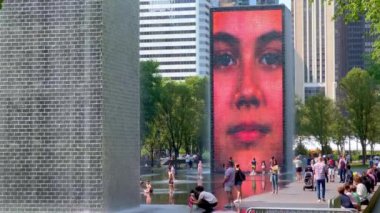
175 33
314 44
265 2
231 3
69 106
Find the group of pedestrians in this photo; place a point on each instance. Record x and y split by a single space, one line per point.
357 192
234 178
324 169
254 167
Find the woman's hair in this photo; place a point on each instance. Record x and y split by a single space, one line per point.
341 189
199 189
274 162
357 179
353 188
347 187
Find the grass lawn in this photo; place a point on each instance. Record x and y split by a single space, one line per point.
357 166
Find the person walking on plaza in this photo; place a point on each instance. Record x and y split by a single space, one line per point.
253 166
263 167
274 169
228 183
200 169
239 178
342 168
332 167
320 175
298 165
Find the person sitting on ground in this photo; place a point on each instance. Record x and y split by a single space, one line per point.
148 187
371 175
345 201
347 191
355 195
206 200
361 190
367 181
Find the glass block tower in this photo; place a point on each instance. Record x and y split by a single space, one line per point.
69 105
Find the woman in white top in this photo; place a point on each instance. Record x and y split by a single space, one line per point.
206 200
361 190
298 164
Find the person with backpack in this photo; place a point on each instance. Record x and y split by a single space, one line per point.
239 178
342 169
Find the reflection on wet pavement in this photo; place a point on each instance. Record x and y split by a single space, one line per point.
187 179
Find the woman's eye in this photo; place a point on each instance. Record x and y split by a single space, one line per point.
223 60
272 59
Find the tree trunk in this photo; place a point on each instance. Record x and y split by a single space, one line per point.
152 158
176 153
364 151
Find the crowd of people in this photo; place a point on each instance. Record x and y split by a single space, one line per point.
354 191
234 178
355 188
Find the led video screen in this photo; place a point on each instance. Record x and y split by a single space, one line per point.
247 86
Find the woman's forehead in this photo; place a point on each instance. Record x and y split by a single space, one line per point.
242 22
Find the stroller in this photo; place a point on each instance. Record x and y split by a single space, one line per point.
308 179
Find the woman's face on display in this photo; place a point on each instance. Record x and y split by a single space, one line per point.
247 59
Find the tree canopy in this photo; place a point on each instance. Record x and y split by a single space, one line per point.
173 113
353 10
318 118
359 101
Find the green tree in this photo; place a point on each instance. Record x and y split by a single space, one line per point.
339 130
180 115
300 149
318 118
353 10
153 142
374 128
360 98
198 89
1 4
150 89
300 132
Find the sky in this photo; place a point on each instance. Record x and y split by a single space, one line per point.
286 2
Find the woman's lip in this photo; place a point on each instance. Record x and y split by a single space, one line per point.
247 136
248 132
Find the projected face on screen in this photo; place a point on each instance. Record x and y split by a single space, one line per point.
247 60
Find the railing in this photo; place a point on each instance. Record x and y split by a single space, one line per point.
297 210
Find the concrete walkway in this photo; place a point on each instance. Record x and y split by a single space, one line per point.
292 195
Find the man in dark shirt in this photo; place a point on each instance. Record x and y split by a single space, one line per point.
344 199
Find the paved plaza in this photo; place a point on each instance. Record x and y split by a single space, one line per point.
291 195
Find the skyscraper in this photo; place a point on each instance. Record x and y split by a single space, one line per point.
314 44
265 2
232 3
176 34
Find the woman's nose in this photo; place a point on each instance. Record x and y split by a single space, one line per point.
248 92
